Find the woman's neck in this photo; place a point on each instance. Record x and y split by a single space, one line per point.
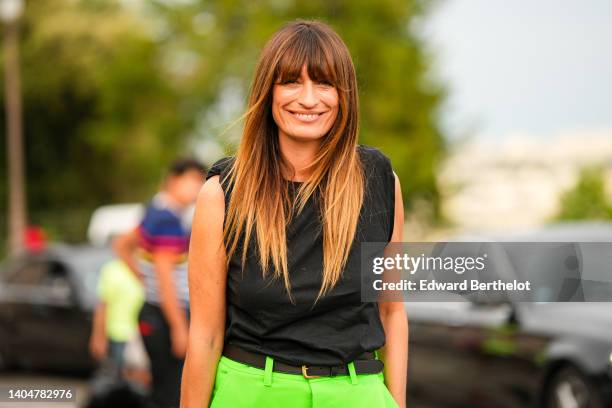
299 154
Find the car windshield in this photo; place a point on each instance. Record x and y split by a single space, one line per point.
86 263
566 271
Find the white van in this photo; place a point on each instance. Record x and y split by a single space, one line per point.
110 220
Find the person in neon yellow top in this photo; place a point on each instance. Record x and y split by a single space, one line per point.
120 298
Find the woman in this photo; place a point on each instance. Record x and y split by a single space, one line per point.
274 261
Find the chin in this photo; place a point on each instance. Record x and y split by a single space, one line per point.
306 136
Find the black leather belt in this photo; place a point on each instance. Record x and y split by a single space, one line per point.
364 364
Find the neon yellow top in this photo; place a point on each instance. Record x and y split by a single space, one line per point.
123 295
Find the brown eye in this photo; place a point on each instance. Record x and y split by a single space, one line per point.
289 82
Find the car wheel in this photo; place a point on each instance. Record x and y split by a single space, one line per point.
571 389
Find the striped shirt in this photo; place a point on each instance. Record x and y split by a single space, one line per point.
164 227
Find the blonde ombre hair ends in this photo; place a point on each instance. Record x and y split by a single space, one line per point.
260 206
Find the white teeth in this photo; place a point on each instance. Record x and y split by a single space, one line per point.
306 116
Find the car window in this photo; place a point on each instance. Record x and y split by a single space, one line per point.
87 265
30 274
57 280
47 275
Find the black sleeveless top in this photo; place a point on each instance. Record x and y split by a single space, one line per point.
339 327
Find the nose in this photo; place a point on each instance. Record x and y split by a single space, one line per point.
308 96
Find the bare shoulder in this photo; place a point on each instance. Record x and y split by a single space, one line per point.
398 222
211 193
397 181
210 204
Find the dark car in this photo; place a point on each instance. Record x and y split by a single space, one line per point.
493 352
46 307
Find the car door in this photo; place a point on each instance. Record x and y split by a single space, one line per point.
441 367
506 358
470 354
44 314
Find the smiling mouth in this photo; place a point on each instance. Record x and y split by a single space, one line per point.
306 117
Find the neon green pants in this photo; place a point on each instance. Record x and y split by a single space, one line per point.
238 385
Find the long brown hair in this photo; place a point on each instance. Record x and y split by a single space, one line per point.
260 203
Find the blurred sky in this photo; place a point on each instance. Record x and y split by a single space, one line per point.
523 66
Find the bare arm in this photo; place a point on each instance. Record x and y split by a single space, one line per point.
98 344
164 262
395 322
124 246
207 281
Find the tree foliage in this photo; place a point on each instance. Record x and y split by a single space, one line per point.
99 113
587 199
399 101
111 93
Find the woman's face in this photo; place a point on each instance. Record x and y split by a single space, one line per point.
304 109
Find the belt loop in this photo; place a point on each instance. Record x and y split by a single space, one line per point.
376 356
352 372
268 371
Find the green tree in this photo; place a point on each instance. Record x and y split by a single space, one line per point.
587 199
112 92
100 116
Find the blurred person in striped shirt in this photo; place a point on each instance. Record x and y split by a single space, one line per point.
157 252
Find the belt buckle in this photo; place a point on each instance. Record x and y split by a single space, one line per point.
305 373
